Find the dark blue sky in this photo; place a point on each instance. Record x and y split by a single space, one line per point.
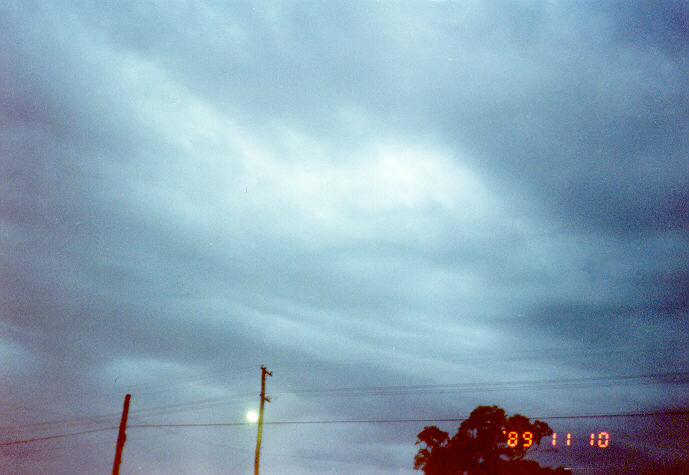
434 205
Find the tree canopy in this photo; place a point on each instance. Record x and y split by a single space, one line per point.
487 442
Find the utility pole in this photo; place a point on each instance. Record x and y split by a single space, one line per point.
264 371
121 436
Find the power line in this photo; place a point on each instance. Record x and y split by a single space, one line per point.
346 421
551 353
57 436
681 377
396 421
676 377
608 416
154 410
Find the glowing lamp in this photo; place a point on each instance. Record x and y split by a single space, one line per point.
252 416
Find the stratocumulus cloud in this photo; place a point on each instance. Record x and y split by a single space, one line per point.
404 210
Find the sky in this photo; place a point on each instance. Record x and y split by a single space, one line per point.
404 210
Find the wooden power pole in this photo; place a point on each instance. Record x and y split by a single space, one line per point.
121 436
264 372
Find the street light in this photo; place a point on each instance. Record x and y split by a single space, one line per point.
252 416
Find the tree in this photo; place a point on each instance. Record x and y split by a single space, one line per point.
487 442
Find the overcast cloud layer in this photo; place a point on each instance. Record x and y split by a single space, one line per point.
434 205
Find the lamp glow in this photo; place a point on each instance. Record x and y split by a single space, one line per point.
252 416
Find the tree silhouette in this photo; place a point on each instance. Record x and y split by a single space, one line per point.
487 442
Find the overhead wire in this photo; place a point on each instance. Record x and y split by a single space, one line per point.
56 436
676 413
561 354
681 377
397 421
676 377
553 353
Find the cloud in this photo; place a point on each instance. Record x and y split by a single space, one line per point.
357 196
